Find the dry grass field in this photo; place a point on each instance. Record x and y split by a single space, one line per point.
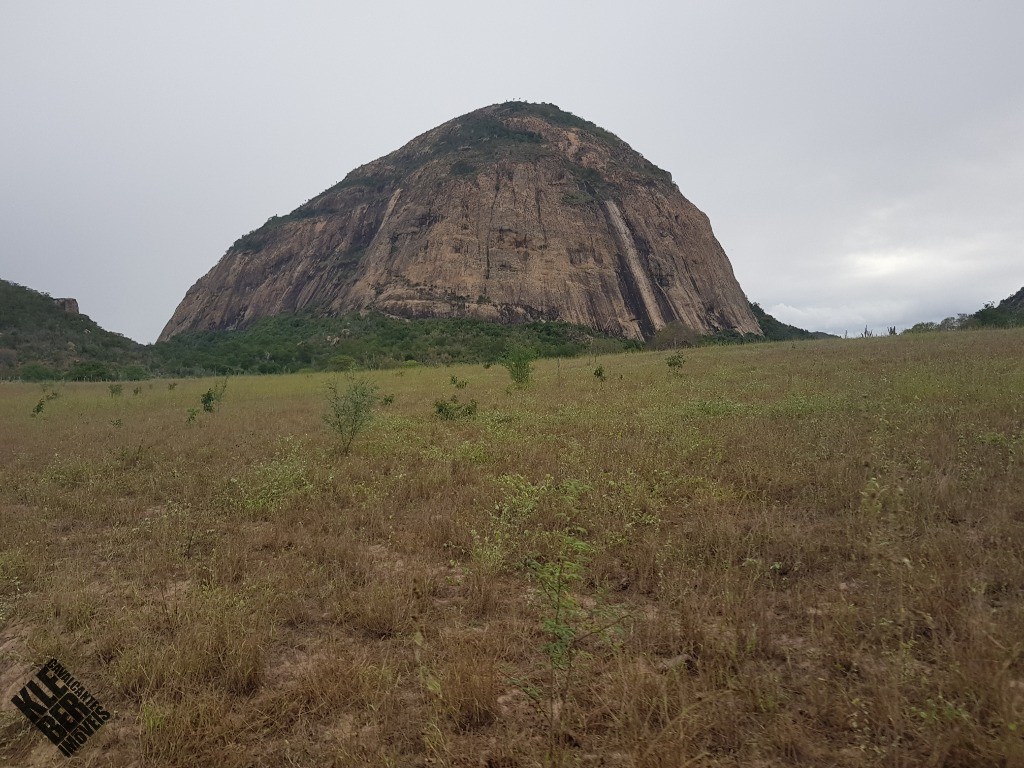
785 554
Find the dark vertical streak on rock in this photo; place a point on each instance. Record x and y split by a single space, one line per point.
540 218
646 254
490 224
631 295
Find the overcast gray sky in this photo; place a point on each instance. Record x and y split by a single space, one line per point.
862 162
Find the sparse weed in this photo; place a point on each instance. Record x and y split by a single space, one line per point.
567 626
268 485
212 397
349 412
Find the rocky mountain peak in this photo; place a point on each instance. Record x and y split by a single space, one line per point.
513 212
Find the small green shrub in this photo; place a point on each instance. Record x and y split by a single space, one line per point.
341 363
115 389
452 409
519 364
212 397
350 411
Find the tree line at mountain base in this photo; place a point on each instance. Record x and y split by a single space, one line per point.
39 341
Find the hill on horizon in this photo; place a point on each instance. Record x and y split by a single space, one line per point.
41 340
1008 313
512 213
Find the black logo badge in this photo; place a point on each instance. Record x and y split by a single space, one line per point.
61 707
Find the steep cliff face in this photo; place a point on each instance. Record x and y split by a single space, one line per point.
510 213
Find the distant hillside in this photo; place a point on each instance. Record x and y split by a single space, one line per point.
776 330
1013 303
1008 313
677 335
41 339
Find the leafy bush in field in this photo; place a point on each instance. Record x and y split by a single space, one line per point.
212 397
519 364
451 409
350 411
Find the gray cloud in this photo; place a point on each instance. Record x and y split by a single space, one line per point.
861 164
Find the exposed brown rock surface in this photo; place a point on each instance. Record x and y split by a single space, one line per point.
68 305
513 212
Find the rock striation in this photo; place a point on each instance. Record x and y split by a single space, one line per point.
512 213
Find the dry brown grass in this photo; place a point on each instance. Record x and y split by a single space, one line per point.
806 554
